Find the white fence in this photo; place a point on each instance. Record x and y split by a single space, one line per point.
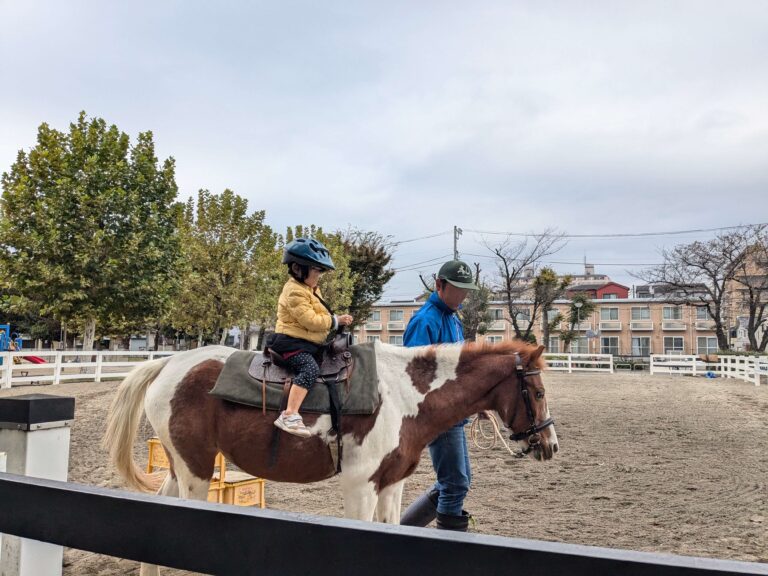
579 362
749 368
79 365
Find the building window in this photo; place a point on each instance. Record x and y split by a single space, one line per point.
372 338
673 312
707 345
395 315
554 344
551 315
609 345
643 313
523 315
375 316
641 346
580 345
610 296
496 314
494 339
702 313
673 345
609 313
396 340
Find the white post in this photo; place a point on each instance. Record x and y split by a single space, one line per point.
34 433
57 368
7 370
570 364
97 374
2 469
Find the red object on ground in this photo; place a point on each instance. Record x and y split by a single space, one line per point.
34 359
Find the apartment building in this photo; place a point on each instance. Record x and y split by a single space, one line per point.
618 326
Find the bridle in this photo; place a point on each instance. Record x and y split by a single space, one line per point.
531 434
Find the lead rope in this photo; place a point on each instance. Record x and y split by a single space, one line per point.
488 440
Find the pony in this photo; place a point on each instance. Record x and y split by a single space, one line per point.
423 390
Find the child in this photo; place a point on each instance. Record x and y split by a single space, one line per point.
303 324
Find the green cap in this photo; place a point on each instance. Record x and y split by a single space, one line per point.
457 273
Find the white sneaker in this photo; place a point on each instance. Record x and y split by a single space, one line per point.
292 424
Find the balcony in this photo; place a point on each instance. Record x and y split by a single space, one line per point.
496 326
581 327
705 325
373 326
610 325
641 325
395 325
673 325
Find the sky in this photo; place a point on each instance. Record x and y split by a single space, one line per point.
410 118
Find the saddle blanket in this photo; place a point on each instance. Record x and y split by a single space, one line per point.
241 381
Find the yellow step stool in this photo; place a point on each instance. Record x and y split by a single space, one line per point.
233 487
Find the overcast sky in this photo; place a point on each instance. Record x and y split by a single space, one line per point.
411 117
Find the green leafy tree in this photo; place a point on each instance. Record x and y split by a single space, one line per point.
576 314
369 256
226 280
548 287
87 234
474 313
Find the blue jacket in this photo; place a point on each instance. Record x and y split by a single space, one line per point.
433 323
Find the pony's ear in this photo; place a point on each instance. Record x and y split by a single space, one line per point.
536 353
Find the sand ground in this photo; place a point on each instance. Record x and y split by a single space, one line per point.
655 463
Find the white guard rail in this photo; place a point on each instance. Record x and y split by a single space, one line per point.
73 365
748 368
579 362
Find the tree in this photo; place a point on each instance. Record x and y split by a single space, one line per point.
580 309
87 233
369 256
548 287
517 262
751 287
474 314
225 279
702 272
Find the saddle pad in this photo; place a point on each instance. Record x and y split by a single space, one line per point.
360 396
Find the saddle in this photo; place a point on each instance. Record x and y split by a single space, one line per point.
336 364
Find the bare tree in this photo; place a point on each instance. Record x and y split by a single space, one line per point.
751 286
517 262
701 273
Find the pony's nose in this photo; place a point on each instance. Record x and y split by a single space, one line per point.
555 447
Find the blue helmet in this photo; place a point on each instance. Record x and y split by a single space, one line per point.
308 252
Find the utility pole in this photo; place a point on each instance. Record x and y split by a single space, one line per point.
456 233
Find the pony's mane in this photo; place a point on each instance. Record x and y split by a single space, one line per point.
509 347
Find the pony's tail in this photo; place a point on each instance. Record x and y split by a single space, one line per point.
123 423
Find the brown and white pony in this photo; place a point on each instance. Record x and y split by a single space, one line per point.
424 391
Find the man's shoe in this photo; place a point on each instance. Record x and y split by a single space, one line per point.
455 523
422 510
292 424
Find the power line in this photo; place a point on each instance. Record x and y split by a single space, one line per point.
417 265
577 263
634 235
422 237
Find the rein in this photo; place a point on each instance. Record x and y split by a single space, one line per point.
531 434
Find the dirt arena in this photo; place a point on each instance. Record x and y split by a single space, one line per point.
654 463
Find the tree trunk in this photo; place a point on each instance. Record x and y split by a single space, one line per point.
89 334
223 339
722 336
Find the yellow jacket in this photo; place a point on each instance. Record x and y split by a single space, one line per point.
300 314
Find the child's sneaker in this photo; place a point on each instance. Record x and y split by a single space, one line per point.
292 424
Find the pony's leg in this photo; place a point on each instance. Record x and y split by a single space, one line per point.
390 499
359 496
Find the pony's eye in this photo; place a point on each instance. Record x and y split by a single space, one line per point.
539 395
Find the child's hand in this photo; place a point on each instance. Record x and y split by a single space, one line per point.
345 320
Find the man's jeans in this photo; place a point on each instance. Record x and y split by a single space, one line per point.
450 459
